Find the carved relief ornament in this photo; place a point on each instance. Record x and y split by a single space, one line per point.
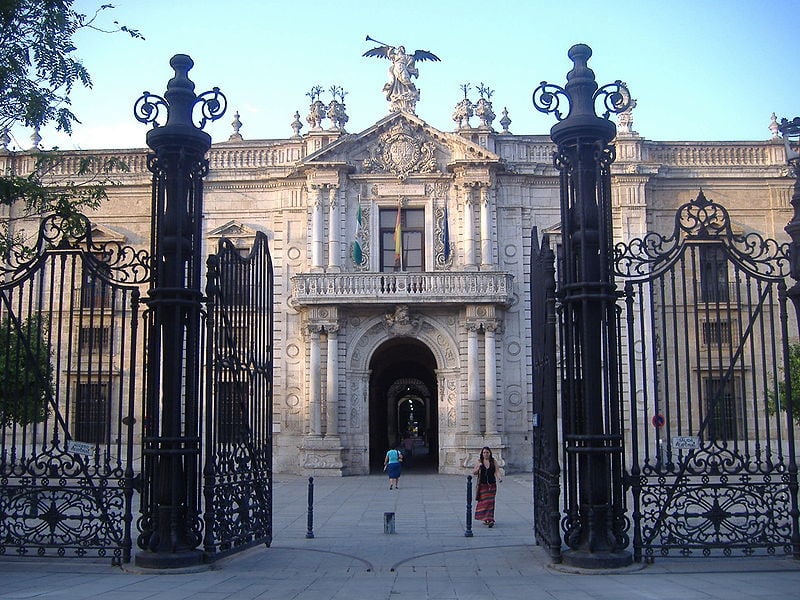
401 152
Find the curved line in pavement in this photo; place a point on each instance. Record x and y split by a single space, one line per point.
368 564
410 558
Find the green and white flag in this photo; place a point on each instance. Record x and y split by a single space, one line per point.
358 254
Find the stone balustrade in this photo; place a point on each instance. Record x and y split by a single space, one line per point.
536 151
720 154
383 288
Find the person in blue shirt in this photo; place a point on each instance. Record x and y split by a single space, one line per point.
392 465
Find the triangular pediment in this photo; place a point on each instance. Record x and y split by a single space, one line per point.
232 229
401 145
102 233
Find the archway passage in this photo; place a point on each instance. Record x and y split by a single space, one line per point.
403 404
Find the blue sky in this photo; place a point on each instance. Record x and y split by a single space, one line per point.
702 70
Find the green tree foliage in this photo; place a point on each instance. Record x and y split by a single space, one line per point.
38 70
38 64
778 399
68 196
26 373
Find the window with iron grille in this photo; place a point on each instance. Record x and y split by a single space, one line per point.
91 412
722 398
713 268
232 402
235 280
94 339
95 291
716 333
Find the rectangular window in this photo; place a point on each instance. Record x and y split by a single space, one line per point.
713 274
402 241
94 339
91 412
235 283
232 402
716 333
721 400
95 292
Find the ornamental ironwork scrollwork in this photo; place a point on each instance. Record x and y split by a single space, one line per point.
701 219
213 105
150 108
62 231
548 98
708 515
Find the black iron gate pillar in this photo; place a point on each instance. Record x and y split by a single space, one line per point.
170 527
595 520
790 131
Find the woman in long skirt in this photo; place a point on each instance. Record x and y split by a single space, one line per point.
488 474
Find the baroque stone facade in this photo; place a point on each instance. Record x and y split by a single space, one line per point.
433 342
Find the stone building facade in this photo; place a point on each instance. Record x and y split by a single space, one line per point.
401 259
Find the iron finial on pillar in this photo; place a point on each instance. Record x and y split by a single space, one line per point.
594 521
171 531
581 94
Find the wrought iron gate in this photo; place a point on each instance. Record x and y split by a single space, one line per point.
69 351
546 470
237 470
712 466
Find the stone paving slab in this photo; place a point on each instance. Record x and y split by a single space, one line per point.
350 557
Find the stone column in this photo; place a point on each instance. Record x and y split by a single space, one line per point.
490 380
469 230
331 380
316 227
333 228
314 390
473 379
487 239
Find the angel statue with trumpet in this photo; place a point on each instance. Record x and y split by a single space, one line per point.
400 90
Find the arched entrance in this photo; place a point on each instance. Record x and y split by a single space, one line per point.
403 402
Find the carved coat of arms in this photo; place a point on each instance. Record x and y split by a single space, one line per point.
400 152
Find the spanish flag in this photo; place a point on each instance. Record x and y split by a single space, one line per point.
398 240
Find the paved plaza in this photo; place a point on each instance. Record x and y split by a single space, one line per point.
351 557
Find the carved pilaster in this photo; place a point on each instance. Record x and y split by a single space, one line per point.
332 381
473 378
468 203
315 192
487 219
314 393
490 328
333 227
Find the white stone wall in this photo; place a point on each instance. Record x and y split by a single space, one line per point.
269 186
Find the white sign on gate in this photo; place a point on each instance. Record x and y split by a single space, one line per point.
685 442
80 447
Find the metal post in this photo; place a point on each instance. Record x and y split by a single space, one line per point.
171 524
310 524
596 530
468 532
790 130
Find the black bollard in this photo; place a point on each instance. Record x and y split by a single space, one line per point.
310 532
468 532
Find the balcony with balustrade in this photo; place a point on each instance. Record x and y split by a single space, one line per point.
445 288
